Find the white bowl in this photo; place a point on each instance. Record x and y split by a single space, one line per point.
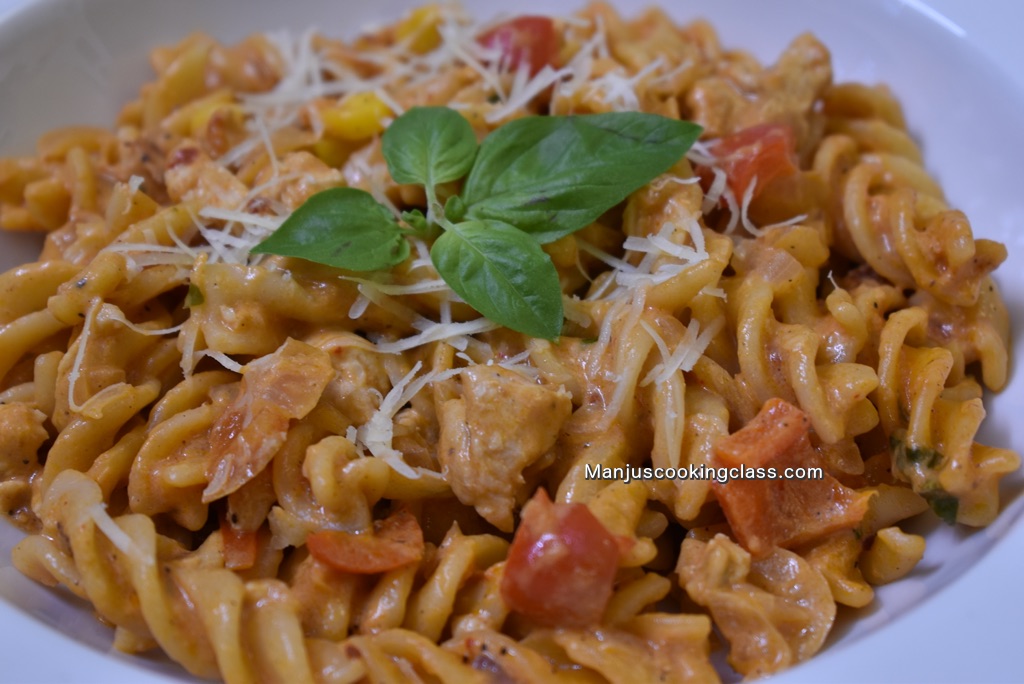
956 618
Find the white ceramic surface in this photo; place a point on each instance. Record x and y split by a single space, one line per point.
957 68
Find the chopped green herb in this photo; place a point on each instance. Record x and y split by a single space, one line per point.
919 465
944 504
906 455
194 297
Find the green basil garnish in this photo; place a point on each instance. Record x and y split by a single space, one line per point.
428 146
552 175
531 181
503 273
340 227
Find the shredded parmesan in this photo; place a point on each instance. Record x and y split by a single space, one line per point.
221 358
523 91
359 306
656 266
110 312
420 287
788 222
118 537
377 433
714 292
451 333
748 195
520 363
686 353
83 342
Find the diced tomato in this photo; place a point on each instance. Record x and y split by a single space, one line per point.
529 39
766 513
396 541
561 565
766 151
240 546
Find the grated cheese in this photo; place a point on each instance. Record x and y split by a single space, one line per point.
623 389
221 358
788 222
377 433
420 287
748 195
519 363
111 312
686 353
118 537
83 342
450 333
832 280
359 306
523 91
654 247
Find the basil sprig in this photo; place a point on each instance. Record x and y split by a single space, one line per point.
530 182
552 175
340 227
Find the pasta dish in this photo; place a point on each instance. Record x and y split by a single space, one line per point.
543 349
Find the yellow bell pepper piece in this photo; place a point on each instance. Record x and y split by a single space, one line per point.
418 30
357 117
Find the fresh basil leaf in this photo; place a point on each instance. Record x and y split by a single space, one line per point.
416 220
340 227
429 145
552 175
503 273
454 209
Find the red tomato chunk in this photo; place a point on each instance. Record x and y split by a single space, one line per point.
240 546
528 39
395 542
765 151
561 565
764 514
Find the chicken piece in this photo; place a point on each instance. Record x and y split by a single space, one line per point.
21 435
308 176
783 93
765 513
775 611
500 425
275 389
191 176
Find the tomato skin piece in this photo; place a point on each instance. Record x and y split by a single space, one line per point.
396 541
766 151
240 546
527 38
769 514
561 566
